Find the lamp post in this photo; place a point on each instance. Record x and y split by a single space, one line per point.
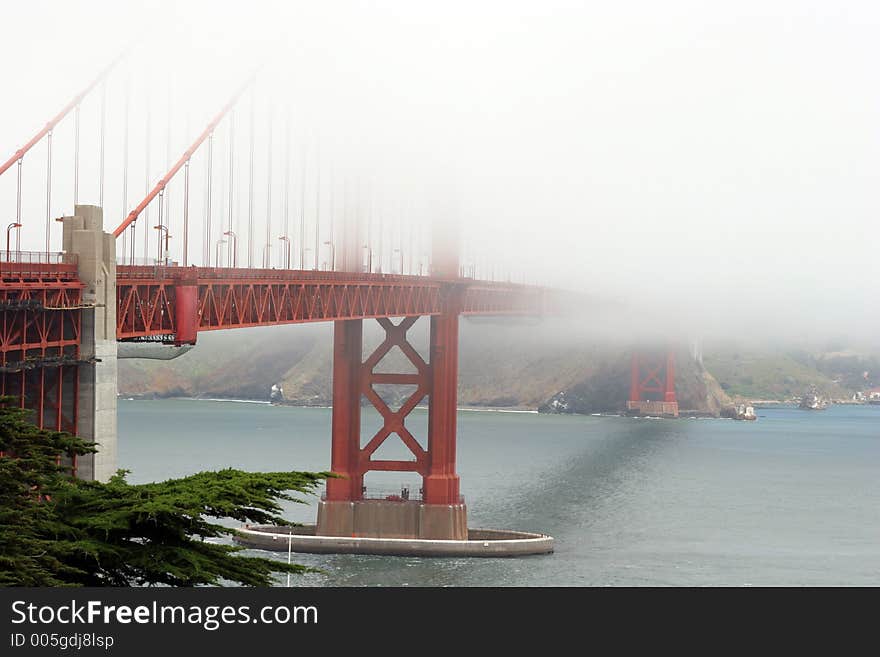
289 548
167 237
9 228
401 261
217 253
332 255
234 237
369 258
285 238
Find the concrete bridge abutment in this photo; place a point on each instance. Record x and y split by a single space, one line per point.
84 236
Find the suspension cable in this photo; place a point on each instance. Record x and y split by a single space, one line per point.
267 260
285 188
302 210
232 245
48 190
317 198
185 213
147 183
54 121
101 158
332 255
18 211
166 222
133 235
76 156
125 161
161 227
250 238
179 164
206 233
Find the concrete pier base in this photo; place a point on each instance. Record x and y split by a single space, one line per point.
392 519
84 236
478 543
654 408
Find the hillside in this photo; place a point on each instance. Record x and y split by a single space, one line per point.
501 365
761 372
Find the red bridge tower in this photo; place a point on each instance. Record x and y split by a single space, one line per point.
441 512
652 385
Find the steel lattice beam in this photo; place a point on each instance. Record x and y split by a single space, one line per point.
239 298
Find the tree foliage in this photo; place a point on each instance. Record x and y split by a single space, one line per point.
59 531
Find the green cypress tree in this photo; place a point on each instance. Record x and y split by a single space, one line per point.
59 531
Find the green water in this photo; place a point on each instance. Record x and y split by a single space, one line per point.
792 499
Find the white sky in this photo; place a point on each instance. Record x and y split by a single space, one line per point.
722 155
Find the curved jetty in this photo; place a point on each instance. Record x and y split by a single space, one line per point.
479 543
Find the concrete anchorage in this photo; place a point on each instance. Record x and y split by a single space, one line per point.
84 235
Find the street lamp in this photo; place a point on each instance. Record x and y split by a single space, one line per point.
369 258
234 246
217 253
332 255
167 237
285 238
401 262
9 228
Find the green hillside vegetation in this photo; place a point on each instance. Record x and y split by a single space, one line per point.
750 373
502 365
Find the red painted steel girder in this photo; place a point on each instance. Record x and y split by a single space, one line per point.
239 298
434 381
394 422
652 373
40 327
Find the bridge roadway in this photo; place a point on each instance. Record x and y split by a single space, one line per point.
157 302
62 315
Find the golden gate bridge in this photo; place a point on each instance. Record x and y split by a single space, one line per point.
64 311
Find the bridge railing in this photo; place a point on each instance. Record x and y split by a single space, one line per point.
38 257
403 494
37 264
163 272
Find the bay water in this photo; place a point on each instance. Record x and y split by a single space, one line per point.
791 499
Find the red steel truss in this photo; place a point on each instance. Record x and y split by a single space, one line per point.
353 378
40 309
652 383
180 301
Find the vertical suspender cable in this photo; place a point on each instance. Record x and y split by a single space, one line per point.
410 227
207 230
370 224
232 245
101 152
302 210
250 238
147 185
381 214
317 199
125 164
159 255
267 260
167 196
332 254
286 186
186 213
48 191
18 214
132 231
76 156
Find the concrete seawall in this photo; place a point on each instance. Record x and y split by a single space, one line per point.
480 543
